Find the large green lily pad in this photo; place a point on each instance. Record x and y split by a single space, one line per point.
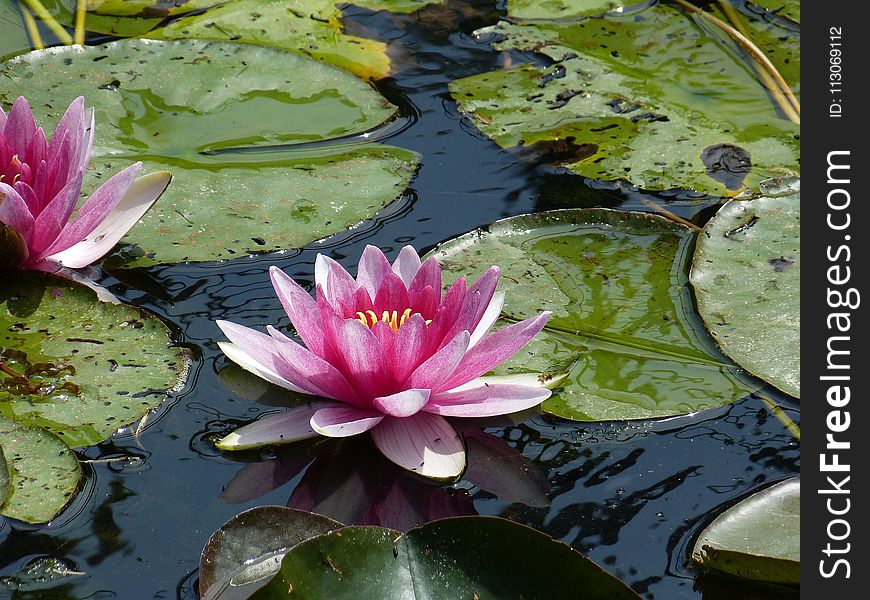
652 97
43 472
623 326
247 550
757 539
308 27
87 367
462 557
252 139
123 18
791 9
746 275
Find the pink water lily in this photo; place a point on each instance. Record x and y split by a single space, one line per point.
387 353
40 185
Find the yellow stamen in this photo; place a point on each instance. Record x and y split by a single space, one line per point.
16 178
393 319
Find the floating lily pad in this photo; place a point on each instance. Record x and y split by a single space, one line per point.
43 472
251 139
123 18
561 9
652 97
4 478
623 325
746 275
393 6
87 367
247 550
757 539
790 9
309 27
462 557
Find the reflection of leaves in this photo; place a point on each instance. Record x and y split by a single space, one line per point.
104 527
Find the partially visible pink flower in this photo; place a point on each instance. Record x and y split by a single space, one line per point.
387 353
40 185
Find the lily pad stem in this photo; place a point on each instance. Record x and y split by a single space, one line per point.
56 28
666 213
17 377
32 29
777 411
767 72
81 13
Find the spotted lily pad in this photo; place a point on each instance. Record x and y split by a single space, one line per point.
4 478
460 557
561 9
746 275
308 27
256 138
123 18
653 97
247 550
758 538
43 472
790 9
86 367
623 325
13 36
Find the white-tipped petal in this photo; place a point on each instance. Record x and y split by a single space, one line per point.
279 428
424 443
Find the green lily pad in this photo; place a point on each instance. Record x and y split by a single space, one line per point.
791 9
652 97
461 557
757 539
623 326
561 9
247 550
13 35
252 140
309 27
746 275
393 6
43 472
87 367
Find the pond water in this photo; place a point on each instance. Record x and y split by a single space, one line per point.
631 495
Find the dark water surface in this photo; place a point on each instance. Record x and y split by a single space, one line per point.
630 495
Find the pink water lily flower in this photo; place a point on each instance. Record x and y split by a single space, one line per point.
40 185
387 353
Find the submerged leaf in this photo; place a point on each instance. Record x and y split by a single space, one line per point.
247 550
87 367
43 472
623 325
758 538
746 276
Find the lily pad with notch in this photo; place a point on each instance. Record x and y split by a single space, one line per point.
623 324
262 143
84 368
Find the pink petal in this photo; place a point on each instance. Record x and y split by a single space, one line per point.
405 349
424 443
336 283
14 212
402 404
485 286
35 152
53 217
373 268
541 380
391 295
438 367
406 265
71 126
306 369
301 308
58 169
363 358
281 428
113 226
344 421
428 275
495 349
20 126
2 120
256 353
487 401
490 316
446 314
426 302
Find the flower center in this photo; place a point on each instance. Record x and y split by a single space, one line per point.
393 319
15 168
